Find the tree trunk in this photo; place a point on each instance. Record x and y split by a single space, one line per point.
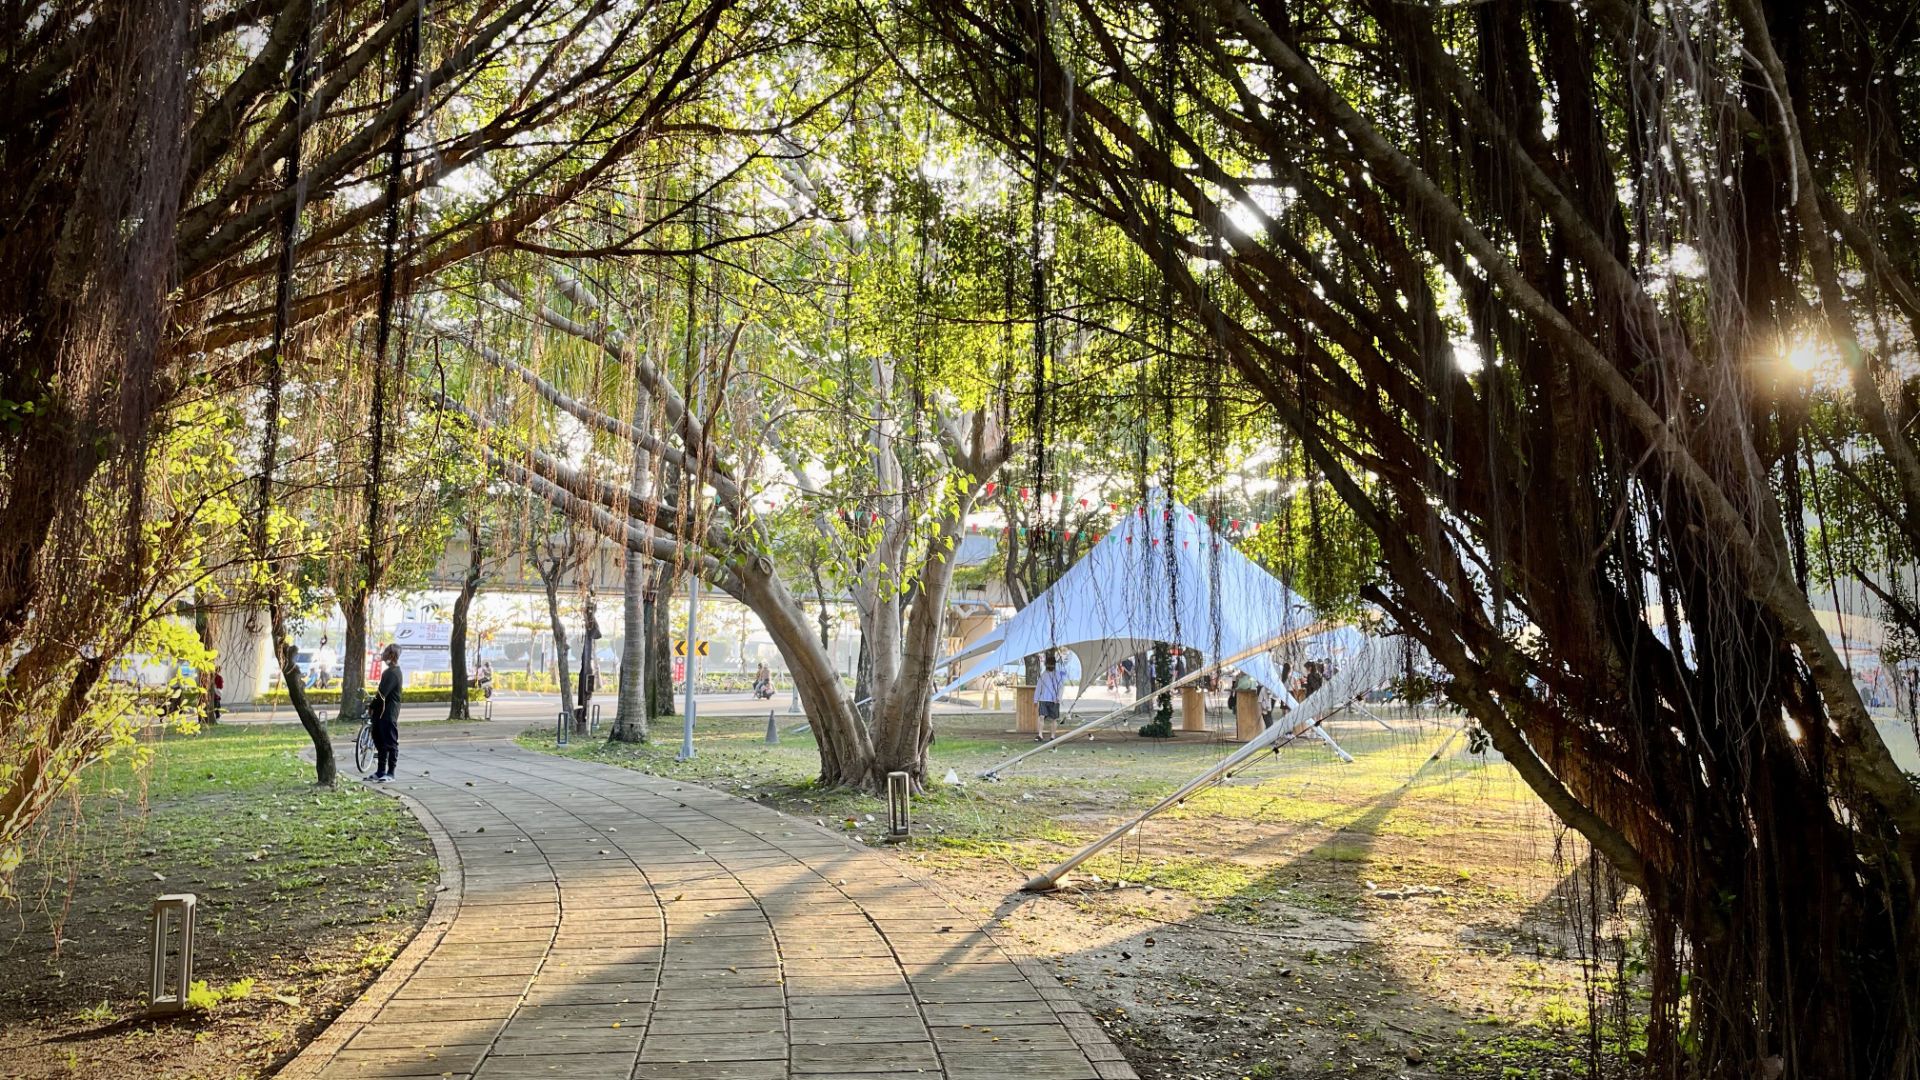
659 619
324 768
863 668
630 712
353 657
846 750
903 716
820 597
1162 677
552 582
203 628
630 715
458 708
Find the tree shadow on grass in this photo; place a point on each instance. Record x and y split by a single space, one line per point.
1313 968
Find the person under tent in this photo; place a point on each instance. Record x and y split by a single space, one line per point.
1316 678
1047 692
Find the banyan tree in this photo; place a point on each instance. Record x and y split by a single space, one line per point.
1591 312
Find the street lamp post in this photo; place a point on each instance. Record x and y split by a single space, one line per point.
693 638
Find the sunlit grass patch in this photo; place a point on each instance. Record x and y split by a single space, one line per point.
1411 807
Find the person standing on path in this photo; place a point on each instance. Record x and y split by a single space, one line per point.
1046 699
384 711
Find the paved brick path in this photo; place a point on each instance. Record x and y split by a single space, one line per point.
616 925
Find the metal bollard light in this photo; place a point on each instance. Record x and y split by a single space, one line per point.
899 806
561 729
593 719
177 908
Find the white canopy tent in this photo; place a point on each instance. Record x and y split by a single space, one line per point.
1161 575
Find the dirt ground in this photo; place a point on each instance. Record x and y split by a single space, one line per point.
304 896
1398 916
1273 988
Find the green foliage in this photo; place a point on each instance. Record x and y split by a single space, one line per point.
1478 741
204 997
1158 728
192 474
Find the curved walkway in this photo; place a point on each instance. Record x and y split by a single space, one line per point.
603 923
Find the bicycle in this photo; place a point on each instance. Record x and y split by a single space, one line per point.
362 740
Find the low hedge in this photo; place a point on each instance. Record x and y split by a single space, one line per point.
735 682
502 680
331 696
538 682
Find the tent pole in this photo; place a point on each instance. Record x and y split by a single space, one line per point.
1362 709
1282 638
1051 878
1375 657
1319 728
1435 756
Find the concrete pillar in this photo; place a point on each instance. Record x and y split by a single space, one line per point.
245 654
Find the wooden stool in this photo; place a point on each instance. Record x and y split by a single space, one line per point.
1247 721
1026 715
1193 709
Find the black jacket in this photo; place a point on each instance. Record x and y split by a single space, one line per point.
386 700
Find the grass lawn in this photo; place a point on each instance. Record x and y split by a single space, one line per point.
1052 803
304 895
1309 918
